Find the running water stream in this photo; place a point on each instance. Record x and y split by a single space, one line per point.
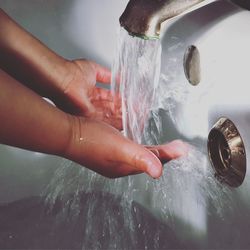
184 193
136 72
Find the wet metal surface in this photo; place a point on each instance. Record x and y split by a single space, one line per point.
227 152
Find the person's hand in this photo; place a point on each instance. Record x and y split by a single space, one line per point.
71 85
103 149
81 96
92 144
169 151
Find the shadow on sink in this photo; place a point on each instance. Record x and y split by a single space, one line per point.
30 224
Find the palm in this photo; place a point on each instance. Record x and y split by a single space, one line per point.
83 97
95 145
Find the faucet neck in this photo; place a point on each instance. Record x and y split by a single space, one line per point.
144 17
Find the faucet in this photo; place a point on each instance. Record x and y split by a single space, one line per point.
143 18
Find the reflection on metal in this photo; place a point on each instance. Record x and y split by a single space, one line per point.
191 64
143 18
227 153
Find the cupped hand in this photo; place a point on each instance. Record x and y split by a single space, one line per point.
82 97
105 150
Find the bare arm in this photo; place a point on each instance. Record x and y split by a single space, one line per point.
69 84
28 121
28 60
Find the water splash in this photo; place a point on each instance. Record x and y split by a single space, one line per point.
183 193
186 189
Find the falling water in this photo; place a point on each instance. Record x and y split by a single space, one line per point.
136 73
117 214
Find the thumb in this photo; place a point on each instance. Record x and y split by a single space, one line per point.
80 99
85 105
88 109
141 159
103 74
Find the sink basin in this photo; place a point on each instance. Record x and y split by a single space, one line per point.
183 205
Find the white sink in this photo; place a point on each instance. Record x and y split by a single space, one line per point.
220 32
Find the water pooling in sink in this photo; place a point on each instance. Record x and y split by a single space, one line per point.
181 196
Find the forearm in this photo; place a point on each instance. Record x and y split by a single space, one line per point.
29 61
29 122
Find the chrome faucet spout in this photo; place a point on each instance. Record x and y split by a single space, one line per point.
143 18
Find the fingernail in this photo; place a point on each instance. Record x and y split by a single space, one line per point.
153 169
155 152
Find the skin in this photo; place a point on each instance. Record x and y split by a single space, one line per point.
84 123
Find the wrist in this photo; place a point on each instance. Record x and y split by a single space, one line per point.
74 138
64 72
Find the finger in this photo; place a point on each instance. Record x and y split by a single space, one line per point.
105 102
102 94
107 108
170 151
103 74
107 116
141 159
103 97
122 170
87 107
